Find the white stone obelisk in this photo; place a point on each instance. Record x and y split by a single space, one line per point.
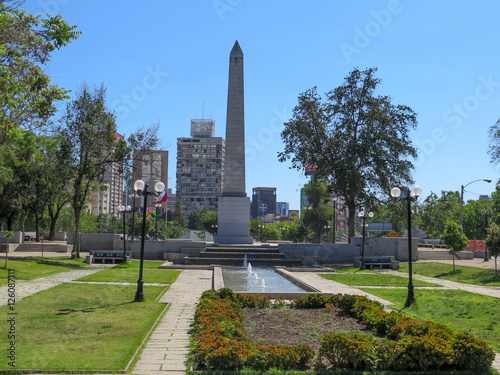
234 205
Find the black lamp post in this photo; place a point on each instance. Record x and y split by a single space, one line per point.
141 188
334 230
261 226
134 209
409 196
462 199
363 215
327 230
124 210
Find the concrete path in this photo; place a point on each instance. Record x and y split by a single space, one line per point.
167 350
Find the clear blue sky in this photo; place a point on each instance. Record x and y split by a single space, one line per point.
168 61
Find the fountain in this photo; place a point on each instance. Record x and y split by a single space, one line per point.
241 280
245 262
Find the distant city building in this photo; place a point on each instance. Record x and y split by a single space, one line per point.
487 197
107 201
263 202
282 208
200 165
172 198
151 166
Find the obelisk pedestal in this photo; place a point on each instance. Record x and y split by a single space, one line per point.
234 205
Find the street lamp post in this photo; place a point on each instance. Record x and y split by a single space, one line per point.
327 229
141 188
363 215
462 199
134 209
261 226
124 210
410 196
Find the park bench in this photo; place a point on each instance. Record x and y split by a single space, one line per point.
105 257
377 262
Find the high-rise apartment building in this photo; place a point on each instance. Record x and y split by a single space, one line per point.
200 165
106 200
151 166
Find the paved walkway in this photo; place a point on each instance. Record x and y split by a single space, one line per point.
167 350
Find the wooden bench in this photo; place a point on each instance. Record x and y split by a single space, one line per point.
377 262
105 257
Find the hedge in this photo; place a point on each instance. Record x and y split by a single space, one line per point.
219 339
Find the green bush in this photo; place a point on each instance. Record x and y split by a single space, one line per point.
470 353
254 301
311 301
421 353
343 351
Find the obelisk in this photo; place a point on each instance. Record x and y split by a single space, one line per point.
234 205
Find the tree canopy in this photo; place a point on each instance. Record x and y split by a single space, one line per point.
358 142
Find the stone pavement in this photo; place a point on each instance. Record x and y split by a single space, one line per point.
167 350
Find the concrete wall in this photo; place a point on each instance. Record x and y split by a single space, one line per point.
165 250
15 239
396 247
320 253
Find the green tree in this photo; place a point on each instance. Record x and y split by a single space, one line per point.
88 130
436 211
475 226
178 216
493 243
196 218
210 222
454 238
319 214
358 142
27 42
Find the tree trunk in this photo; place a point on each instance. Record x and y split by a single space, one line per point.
76 246
54 216
351 221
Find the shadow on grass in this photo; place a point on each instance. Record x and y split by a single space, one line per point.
446 274
89 310
50 262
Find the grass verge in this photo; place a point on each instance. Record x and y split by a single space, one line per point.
130 275
33 267
373 279
462 274
460 310
80 327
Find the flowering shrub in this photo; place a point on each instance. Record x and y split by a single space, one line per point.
311 301
220 339
254 300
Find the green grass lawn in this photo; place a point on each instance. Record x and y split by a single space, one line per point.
34 267
468 275
80 327
372 279
458 309
136 264
130 275
348 268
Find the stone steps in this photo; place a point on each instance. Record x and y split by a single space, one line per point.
239 261
37 247
239 255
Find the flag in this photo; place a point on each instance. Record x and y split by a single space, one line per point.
162 197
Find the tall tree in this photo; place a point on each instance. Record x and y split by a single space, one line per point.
88 130
26 44
358 142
